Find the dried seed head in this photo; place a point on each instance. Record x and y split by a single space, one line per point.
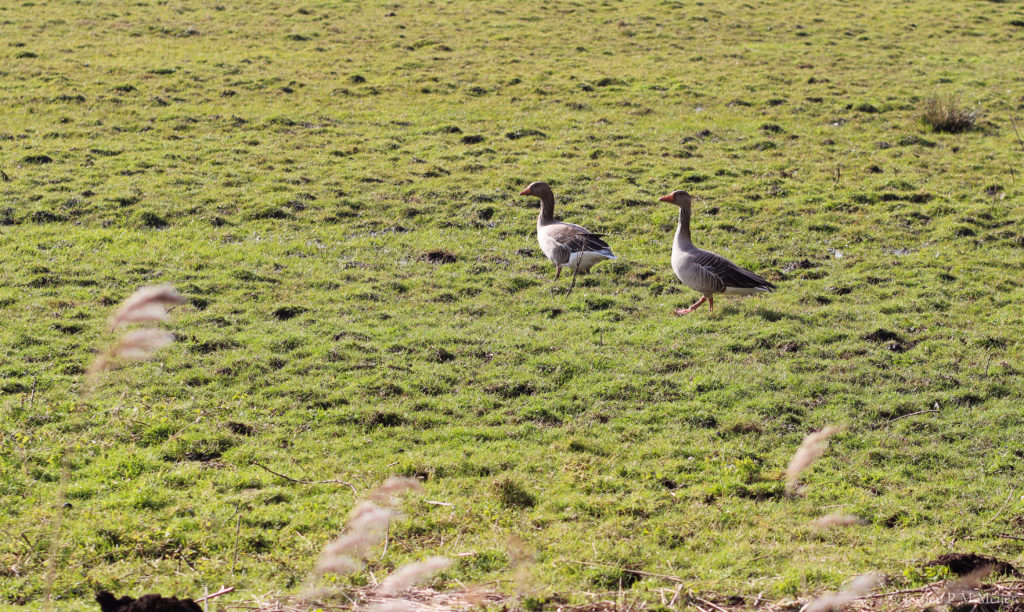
367 524
368 516
337 565
811 448
833 602
351 544
409 575
138 345
519 551
837 520
965 588
394 486
521 557
146 304
365 528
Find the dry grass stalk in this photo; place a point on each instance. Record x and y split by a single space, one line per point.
411 574
521 557
519 551
944 114
366 527
812 447
138 345
837 520
146 304
368 598
833 602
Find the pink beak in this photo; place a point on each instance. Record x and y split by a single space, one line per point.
667 198
525 192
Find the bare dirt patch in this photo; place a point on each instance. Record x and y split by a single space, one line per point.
962 564
147 603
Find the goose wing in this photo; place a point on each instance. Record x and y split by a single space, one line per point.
729 273
570 238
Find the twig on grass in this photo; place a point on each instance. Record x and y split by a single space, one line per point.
675 596
223 591
296 480
1009 537
1001 508
903 416
708 603
181 557
31 546
1014 124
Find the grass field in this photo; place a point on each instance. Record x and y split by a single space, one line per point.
290 168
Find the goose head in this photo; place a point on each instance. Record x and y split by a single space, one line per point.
537 189
679 198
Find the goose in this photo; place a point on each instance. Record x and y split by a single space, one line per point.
565 244
704 271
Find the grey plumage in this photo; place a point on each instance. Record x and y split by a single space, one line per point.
704 271
567 241
711 273
565 244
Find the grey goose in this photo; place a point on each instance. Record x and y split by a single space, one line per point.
704 271
565 244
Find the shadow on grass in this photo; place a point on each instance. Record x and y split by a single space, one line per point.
767 314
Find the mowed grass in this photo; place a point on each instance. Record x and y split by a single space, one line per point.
290 166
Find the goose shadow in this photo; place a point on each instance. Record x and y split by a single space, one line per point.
771 315
768 314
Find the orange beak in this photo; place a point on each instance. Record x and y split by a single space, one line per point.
666 198
525 192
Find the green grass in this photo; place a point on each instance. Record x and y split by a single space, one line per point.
289 166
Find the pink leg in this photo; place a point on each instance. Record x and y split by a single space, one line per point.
711 303
680 311
559 273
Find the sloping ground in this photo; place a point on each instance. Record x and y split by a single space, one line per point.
332 185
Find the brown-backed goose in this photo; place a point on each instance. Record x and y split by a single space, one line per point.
705 271
565 244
